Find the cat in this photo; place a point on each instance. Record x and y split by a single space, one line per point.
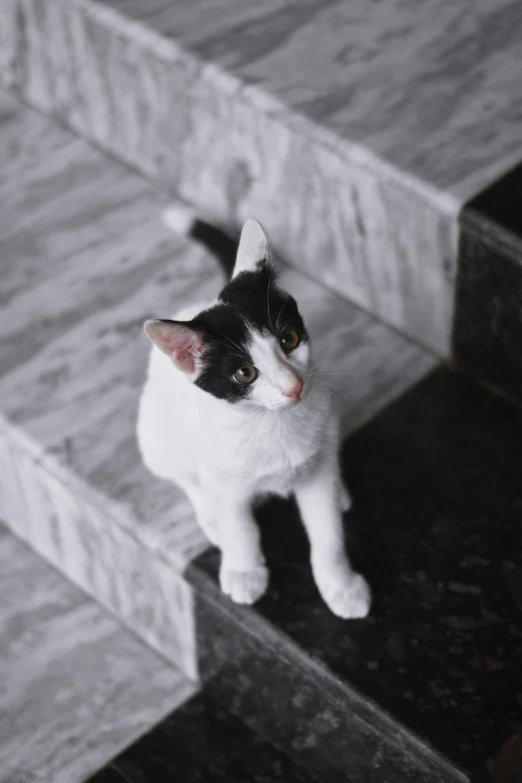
231 412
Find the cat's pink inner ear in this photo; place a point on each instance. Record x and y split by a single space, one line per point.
178 341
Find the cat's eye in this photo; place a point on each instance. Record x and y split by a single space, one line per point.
247 373
289 340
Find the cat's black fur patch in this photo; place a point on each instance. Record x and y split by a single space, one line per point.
249 301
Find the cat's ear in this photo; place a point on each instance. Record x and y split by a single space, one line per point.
253 248
180 341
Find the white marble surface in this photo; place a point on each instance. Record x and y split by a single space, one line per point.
418 84
84 259
75 686
255 139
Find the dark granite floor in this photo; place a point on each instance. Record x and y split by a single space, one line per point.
436 528
200 742
500 202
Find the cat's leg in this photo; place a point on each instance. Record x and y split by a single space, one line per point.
243 574
205 511
344 591
345 499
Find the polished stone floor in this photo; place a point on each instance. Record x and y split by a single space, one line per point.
201 743
435 527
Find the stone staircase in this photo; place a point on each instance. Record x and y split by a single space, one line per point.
355 132
376 191
82 269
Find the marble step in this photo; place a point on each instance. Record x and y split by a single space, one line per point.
75 686
428 687
488 311
201 743
354 131
84 259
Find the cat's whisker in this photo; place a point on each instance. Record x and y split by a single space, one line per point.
280 312
268 298
322 372
240 356
232 343
324 383
332 370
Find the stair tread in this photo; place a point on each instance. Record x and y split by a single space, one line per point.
77 687
418 87
85 260
200 741
435 528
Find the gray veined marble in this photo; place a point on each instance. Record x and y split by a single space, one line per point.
418 85
75 687
84 260
370 231
355 131
65 521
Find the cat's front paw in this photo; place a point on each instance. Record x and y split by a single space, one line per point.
244 587
345 593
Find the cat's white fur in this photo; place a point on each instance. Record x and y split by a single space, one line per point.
226 456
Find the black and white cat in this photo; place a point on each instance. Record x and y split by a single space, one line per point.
230 412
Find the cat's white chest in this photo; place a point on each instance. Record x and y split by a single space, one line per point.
263 456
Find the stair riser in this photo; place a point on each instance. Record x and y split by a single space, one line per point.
351 222
46 509
488 318
487 334
326 728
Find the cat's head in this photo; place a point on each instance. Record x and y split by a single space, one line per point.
251 347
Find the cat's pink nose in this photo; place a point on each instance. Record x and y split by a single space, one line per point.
295 390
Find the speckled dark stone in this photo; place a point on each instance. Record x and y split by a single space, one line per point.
500 203
487 332
436 528
271 683
201 742
488 314
108 775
